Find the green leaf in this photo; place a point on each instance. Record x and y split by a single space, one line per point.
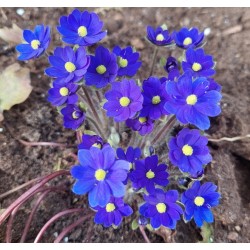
134 224
14 86
207 233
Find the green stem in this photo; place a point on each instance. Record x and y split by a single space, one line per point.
154 59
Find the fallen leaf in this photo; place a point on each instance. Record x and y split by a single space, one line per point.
14 86
12 35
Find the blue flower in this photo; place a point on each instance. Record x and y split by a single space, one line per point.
131 155
112 213
127 61
172 68
89 141
155 97
198 63
159 37
100 175
68 65
73 116
63 93
144 125
37 42
124 100
161 208
102 69
198 201
213 85
185 38
147 173
192 102
189 151
83 28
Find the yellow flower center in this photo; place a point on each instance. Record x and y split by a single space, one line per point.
196 67
130 165
70 67
187 150
101 69
110 207
161 208
124 101
191 99
64 91
123 62
100 174
150 174
82 31
142 119
35 44
159 38
187 41
199 201
97 145
156 99
75 115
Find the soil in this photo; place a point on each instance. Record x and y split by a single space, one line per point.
36 120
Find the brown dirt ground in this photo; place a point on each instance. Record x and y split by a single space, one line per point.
37 120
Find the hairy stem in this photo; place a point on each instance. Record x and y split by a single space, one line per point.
154 59
144 234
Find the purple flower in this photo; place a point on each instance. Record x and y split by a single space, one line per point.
161 208
127 61
185 38
89 141
159 37
124 100
147 173
83 28
198 63
73 116
213 85
36 43
131 155
144 125
102 69
172 68
112 213
198 201
189 151
192 102
63 93
155 97
68 65
100 175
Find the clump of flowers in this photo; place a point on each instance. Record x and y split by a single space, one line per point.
118 168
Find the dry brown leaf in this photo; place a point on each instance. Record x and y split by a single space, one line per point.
12 35
14 86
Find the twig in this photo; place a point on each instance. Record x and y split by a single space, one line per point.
144 234
54 144
53 219
71 227
237 138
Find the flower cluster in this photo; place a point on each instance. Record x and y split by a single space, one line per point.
186 94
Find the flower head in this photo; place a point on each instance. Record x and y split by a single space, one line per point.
68 65
73 116
161 208
63 93
186 38
103 68
127 61
198 63
36 43
155 97
172 68
198 201
159 37
124 100
131 155
144 125
83 28
112 213
189 151
89 141
192 102
100 175
147 173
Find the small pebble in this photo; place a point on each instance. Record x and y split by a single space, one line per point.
1 130
237 228
55 234
66 239
207 31
233 236
20 11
